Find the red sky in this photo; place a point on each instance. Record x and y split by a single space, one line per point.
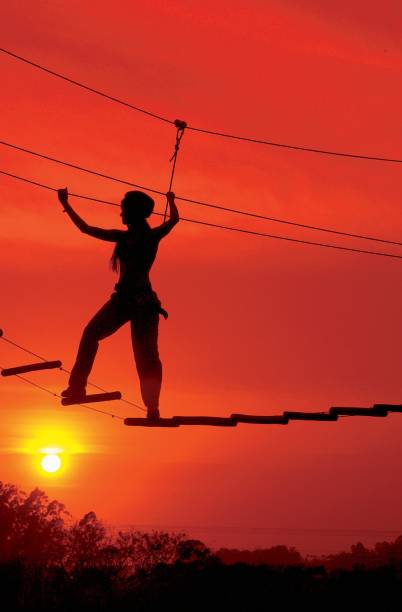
256 325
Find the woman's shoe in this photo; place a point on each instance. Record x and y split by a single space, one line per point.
73 392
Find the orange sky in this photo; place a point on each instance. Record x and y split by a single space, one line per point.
256 325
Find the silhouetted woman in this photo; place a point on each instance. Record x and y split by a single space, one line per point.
133 300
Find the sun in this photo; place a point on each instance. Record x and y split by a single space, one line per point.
51 463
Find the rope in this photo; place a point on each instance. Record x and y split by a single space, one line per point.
201 130
76 195
181 126
91 384
76 167
207 204
91 89
23 349
299 148
225 227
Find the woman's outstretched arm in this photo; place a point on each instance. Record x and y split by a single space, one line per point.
96 232
166 227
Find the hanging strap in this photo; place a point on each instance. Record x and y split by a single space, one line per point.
181 126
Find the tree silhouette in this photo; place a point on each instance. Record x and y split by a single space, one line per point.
85 541
31 527
141 551
276 555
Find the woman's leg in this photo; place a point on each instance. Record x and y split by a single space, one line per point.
106 321
144 334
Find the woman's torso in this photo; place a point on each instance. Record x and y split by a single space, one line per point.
136 252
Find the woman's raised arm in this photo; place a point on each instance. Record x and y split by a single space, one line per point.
162 230
96 232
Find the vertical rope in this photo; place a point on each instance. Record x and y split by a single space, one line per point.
181 126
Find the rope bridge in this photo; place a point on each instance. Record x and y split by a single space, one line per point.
335 412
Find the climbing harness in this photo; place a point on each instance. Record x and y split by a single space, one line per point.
141 297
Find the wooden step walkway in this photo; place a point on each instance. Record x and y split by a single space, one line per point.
31 367
94 397
377 410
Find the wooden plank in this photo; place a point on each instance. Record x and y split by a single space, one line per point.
310 416
205 420
370 412
134 422
388 407
259 419
31 367
87 399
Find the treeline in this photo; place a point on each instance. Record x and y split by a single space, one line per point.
383 553
39 531
50 563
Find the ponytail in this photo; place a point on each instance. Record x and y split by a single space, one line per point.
115 258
